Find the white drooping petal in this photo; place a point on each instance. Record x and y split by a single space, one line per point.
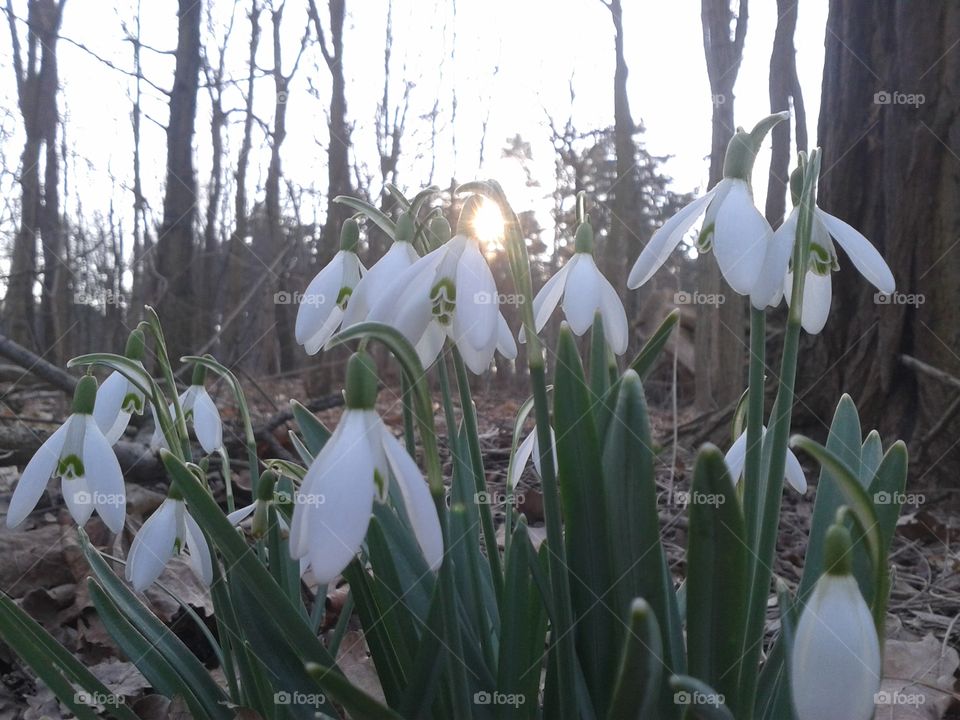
336 512
477 359
835 664
506 345
666 239
416 499
104 477
77 498
198 552
548 298
861 252
153 546
206 421
615 326
241 514
817 295
405 304
374 283
430 344
325 332
319 300
75 488
521 457
33 480
736 458
768 289
740 238
581 298
108 408
477 306
536 450
793 473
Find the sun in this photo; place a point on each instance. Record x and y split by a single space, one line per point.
488 225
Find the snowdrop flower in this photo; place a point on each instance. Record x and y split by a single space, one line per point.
449 292
530 447
333 506
733 227
323 304
200 411
169 530
118 398
736 458
377 279
817 287
79 454
585 292
835 664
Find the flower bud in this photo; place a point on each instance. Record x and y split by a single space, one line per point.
835 663
85 395
349 235
440 231
405 228
471 206
362 382
583 242
199 374
135 345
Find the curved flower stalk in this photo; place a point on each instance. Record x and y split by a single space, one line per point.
733 227
835 664
200 411
79 454
327 296
333 506
584 292
736 458
818 289
170 530
449 292
529 448
118 398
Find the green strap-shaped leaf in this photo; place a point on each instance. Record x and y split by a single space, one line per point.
638 682
716 577
315 433
381 219
599 375
699 699
581 483
55 667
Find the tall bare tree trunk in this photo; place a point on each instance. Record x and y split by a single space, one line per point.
890 132
37 85
720 331
175 241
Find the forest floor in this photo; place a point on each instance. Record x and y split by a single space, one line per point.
41 566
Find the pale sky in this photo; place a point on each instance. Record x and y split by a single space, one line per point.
513 62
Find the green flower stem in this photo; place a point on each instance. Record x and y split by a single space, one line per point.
755 397
469 412
153 322
774 452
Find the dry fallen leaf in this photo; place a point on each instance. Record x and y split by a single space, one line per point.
918 680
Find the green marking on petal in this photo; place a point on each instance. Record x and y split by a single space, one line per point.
443 295
705 239
133 402
381 482
343 296
70 467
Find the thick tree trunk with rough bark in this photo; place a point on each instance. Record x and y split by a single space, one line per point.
721 328
890 132
175 241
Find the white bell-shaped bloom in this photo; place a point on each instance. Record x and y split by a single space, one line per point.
736 458
835 664
733 228
90 475
450 292
168 531
324 303
584 292
202 414
376 280
817 289
529 448
117 400
333 506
